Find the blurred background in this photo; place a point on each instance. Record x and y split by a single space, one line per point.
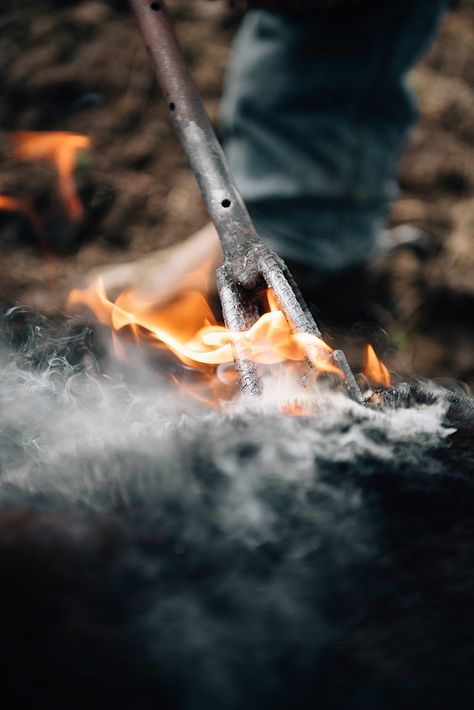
125 187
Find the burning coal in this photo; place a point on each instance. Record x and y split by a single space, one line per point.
155 557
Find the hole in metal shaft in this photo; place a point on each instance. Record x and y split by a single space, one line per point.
171 106
225 203
155 6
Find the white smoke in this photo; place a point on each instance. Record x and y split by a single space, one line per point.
60 412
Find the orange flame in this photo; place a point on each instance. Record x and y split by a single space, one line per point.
188 328
375 370
61 148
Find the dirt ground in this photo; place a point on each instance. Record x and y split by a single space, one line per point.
80 66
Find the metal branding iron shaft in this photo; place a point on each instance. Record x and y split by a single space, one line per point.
247 262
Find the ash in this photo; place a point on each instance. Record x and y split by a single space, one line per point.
155 557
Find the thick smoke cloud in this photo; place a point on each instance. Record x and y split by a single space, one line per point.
154 557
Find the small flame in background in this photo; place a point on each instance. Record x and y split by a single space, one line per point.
60 148
188 328
375 370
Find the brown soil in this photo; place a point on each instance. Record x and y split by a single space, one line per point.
81 67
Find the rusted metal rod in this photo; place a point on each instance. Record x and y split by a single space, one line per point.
247 262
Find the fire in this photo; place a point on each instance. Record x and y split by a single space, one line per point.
61 148
375 370
188 328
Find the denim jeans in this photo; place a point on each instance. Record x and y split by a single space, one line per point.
315 114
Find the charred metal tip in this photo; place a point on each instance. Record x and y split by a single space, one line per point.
240 311
295 309
353 389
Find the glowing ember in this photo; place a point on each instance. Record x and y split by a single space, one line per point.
61 148
188 328
375 370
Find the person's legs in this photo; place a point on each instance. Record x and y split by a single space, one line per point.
315 113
